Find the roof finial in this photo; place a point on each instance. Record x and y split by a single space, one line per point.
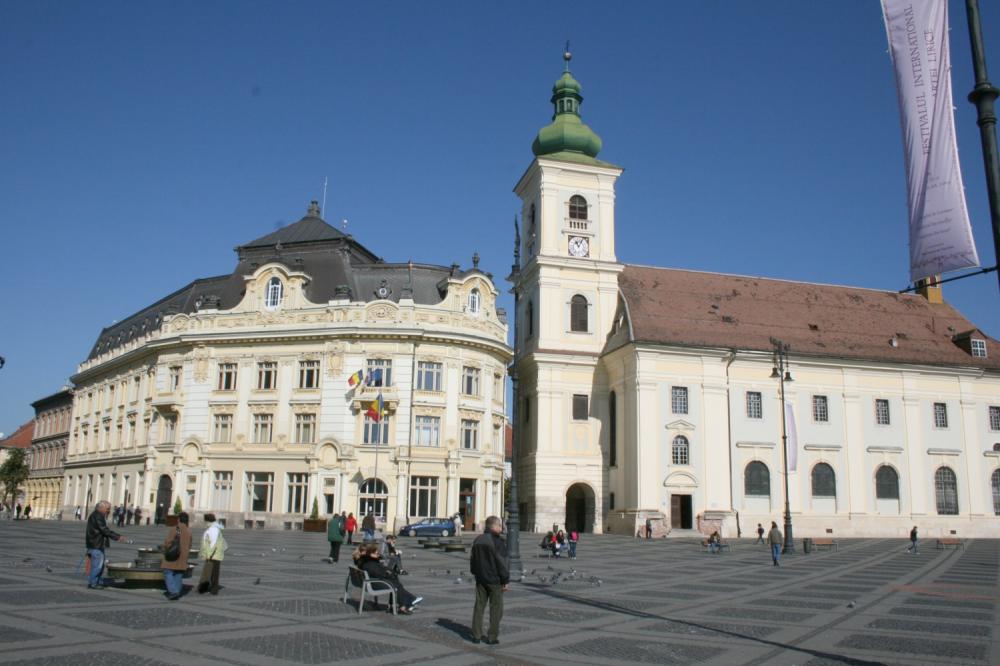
314 210
475 260
567 56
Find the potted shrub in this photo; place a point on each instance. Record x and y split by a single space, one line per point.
171 520
314 523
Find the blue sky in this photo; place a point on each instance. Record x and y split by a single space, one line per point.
142 141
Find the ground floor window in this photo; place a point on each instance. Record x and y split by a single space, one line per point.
373 498
946 492
996 491
423 496
298 492
329 492
260 490
222 490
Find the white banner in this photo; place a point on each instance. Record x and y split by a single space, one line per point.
940 233
793 438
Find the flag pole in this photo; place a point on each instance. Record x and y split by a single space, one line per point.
983 95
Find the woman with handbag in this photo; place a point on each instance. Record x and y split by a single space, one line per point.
176 547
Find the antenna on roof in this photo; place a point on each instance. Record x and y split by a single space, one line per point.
323 209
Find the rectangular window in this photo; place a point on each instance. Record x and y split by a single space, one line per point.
111 395
260 490
428 430
821 409
940 415
428 376
470 381
227 377
263 428
755 405
498 387
470 434
881 411
222 428
679 399
308 374
175 380
169 428
131 431
376 432
383 376
222 490
305 428
423 496
298 492
135 388
267 376
581 408
497 439
979 348
994 417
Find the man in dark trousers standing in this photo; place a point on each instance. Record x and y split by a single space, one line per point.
335 535
97 538
488 564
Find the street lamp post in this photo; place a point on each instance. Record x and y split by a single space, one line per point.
513 512
782 374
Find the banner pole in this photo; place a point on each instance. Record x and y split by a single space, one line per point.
983 95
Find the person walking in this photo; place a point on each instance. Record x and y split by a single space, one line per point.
760 535
488 563
351 525
27 512
368 525
335 535
912 548
574 538
17 511
775 539
649 528
138 516
457 521
79 513
128 514
213 550
174 570
97 537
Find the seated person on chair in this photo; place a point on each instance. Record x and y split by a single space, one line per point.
392 556
549 543
370 564
714 542
561 543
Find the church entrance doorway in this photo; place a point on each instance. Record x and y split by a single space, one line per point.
164 492
580 508
680 512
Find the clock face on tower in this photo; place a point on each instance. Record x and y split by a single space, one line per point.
579 246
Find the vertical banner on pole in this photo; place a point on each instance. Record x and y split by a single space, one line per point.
940 233
793 438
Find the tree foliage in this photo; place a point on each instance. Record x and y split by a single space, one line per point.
13 473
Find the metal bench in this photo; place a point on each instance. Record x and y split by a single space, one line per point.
723 545
950 543
826 543
374 589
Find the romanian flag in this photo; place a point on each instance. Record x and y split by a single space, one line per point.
356 378
376 410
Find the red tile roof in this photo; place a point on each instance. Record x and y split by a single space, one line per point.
21 439
690 308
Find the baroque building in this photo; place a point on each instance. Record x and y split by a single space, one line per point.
48 452
232 393
647 393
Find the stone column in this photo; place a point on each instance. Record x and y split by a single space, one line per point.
977 480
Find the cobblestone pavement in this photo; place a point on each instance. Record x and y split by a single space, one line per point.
621 601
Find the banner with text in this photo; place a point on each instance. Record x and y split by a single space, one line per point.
940 233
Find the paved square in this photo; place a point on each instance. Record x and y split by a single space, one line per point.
621 602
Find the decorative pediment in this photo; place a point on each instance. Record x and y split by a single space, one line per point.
681 480
680 424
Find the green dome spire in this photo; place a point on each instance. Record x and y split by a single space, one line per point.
566 132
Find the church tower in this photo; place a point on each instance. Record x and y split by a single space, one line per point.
567 291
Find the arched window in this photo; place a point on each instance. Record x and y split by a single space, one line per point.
996 447
275 291
886 483
578 314
577 207
374 498
946 491
824 481
756 480
995 482
612 430
679 451
474 301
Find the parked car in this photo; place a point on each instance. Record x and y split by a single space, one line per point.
429 527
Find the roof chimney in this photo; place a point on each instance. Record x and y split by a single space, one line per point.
930 288
313 209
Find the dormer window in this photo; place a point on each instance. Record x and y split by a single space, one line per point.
475 301
577 207
978 347
275 291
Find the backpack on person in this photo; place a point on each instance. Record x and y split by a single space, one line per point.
173 551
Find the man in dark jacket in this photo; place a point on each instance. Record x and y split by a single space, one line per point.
335 535
97 538
488 564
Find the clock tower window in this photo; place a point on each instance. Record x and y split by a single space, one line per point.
578 314
577 207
